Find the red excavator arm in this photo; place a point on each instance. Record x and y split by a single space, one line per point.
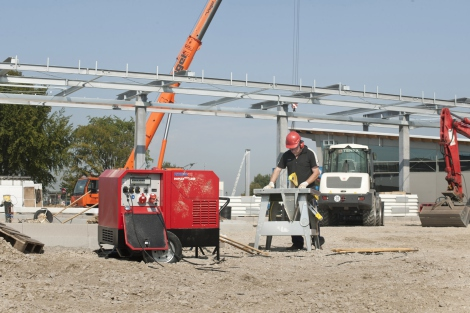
450 210
183 61
449 129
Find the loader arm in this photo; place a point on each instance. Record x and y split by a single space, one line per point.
183 61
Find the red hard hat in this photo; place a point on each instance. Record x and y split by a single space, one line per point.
292 140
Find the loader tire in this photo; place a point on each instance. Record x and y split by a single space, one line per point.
334 218
382 213
377 212
369 217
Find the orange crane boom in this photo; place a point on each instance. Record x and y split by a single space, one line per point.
183 61
88 186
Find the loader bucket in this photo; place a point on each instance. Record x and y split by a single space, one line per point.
445 214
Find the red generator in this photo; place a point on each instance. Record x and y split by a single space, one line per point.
157 212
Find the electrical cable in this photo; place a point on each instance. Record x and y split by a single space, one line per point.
170 246
160 217
213 263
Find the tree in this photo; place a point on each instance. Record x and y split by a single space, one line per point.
168 165
259 182
104 143
33 142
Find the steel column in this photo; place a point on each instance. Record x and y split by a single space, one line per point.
404 156
282 122
139 139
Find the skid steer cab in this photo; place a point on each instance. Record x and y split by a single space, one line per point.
155 213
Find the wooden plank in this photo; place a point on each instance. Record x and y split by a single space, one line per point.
70 205
71 218
242 246
373 250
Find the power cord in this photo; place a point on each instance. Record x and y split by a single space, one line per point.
160 217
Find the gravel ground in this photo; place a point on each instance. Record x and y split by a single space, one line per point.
433 279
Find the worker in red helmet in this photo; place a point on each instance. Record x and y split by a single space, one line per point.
299 159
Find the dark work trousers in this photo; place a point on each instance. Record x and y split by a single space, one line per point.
7 206
299 240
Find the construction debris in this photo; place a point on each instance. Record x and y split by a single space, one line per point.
93 220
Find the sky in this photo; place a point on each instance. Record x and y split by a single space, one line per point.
416 46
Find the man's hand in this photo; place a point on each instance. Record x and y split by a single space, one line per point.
269 186
303 185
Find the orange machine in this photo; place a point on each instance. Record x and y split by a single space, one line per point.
85 192
183 61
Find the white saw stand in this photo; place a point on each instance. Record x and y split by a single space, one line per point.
297 222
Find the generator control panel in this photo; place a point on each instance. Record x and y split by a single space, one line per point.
141 190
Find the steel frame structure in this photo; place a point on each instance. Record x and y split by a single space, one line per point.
270 94
248 99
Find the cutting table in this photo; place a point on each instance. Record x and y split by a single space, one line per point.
289 215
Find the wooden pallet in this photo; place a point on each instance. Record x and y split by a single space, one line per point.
20 241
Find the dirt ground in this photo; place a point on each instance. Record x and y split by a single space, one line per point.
434 279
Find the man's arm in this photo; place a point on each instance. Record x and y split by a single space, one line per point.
273 178
312 178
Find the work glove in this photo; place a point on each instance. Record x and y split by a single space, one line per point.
303 185
269 186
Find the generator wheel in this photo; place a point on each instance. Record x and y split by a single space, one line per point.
369 217
43 216
172 255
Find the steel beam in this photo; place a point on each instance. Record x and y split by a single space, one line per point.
216 93
234 83
196 109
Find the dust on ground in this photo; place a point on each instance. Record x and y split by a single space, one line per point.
434 279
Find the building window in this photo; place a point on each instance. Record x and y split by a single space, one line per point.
422 165
386 182
464 163
385 167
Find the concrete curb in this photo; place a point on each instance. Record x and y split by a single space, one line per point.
86 235
65 235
